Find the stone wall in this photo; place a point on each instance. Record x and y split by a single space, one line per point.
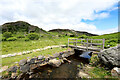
27 67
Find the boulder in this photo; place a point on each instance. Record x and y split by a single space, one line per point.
56 55
115 72
54 62
25 68
22 62
110 57
67 54
33 66
22 76
12 69
40 57
32 61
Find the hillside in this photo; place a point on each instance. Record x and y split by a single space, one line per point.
68 32
24 27
111 40
108 36
21 26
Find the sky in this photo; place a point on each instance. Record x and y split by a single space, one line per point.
94 16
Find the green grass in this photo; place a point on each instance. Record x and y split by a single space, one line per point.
11 60
9 47
95 70
108 36
111 40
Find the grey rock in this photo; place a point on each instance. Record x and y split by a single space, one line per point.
115 72
110 57
56 55
22 62
12 69
23 76
32 61
40 57
33 66
54 62
25 68
66 54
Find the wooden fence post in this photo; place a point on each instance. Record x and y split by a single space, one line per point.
81 42
76 42
91 43
68 42
103 43
87 45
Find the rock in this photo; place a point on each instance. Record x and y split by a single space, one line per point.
56 55
81 74
67 60
23 76
49 71
43 64
61 60
22 62
14 75
54 62
28 60
12 69
65 54
25 68
40 57
110 57
32 61
115 72
33 66
47 59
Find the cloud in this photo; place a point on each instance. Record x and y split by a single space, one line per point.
80 27
66 13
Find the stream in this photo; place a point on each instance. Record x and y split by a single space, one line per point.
65 70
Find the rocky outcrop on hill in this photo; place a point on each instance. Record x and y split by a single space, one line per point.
21 26
71 32
110 57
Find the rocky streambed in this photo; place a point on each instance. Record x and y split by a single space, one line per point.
60 65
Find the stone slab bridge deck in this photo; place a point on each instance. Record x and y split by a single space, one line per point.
86 44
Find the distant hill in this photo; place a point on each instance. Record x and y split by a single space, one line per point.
21 26
71 32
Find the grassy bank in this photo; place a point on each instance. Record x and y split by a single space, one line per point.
97 70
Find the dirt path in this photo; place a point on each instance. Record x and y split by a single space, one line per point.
34 50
